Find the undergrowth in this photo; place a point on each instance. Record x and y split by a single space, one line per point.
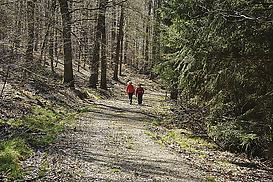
184 140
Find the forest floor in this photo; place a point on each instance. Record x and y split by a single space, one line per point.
115 141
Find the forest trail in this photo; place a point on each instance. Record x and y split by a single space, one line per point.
110 143
115 141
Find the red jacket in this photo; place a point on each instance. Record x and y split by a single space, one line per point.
130 89
139 91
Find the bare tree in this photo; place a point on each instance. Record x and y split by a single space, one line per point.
147 34
113 33
66 21
94 64
51 37
103 83
156 36
119 38
30 27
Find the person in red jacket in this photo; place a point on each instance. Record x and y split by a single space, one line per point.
139 94
130 90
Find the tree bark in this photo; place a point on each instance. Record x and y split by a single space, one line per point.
51 38
66 21
115 77
56 44
121 46
30 27
113 34
103 83
94 65
156 37
125 59
147 42
174 88
121 54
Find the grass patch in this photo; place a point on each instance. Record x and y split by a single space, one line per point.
161 109
115 170
11 153
88 108
157 122
23 136
44 167
44 124
210 179
225 164
93 93
184 140
155 136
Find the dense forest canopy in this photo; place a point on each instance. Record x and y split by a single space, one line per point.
218 54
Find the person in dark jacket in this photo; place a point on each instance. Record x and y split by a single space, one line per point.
139 93
130 90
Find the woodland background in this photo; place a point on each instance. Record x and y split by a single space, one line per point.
215 56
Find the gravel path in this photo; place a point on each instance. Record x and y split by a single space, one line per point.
111 144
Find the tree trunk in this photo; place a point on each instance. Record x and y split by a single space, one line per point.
118 43
113 34
66 20
174 88
51 38
125 60
18 25
94 70
270 151
45 42
121 54
174 93
56 44
147 36
103 83
125 41
121 47
30 27
37 33
156 37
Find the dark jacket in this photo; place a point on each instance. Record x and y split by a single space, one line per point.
139 91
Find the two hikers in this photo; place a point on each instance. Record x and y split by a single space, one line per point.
130 90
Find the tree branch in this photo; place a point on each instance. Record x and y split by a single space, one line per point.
84 19
98 8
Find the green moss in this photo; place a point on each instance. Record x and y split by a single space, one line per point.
225 164
11 153
158 122
156 137
13 123
184 140
210 179
40 128
202 156
86 109
161 109
92 93
45 124
115 170
44 167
